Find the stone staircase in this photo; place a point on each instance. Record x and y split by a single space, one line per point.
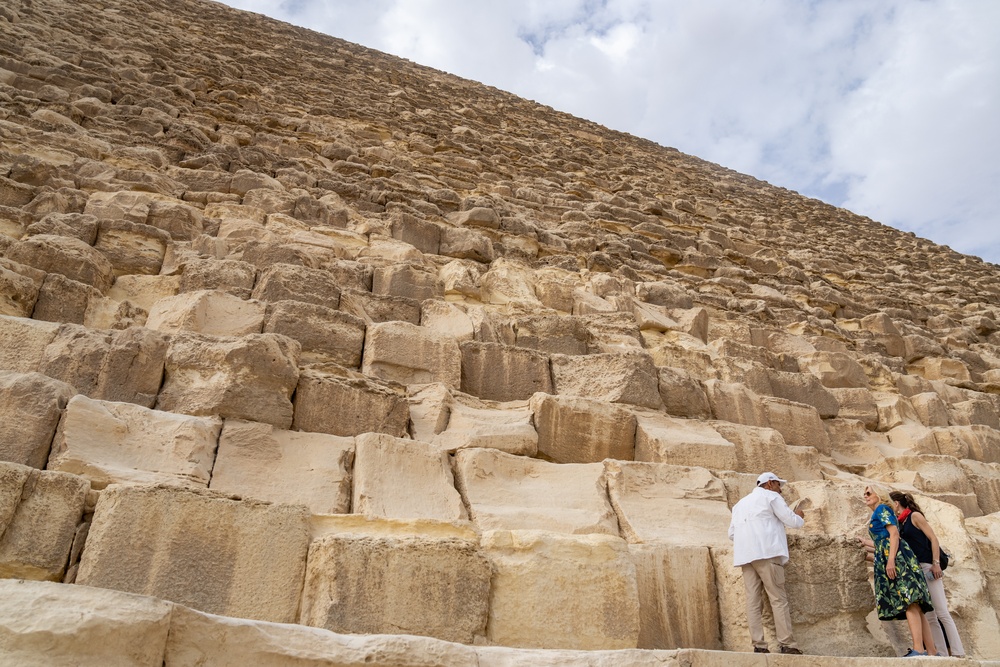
312 355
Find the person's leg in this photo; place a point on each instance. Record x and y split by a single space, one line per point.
915 621
940 602
925 632
752 583
772 575
935 632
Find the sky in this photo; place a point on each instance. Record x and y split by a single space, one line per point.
888 108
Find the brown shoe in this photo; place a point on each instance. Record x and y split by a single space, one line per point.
760 649
790 650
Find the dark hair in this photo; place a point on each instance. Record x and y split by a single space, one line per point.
906 500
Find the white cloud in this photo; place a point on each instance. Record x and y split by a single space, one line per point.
886 108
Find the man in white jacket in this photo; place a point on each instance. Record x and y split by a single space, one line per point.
760 548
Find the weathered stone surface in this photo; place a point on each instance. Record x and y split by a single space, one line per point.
210 312
132 248
408 354
30 407
348 405
201 549
408 281
690 442
68 256
25 341
43 623
291 467
617 378
505 492
682 394
393 578
561 591
325 334
108 442
252 377
581 430
228 275
507 429
19 292
39 514
281 282
498 372
403 479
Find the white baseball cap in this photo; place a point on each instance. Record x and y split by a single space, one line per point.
769 477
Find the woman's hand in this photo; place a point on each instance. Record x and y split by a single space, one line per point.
890 570
936 571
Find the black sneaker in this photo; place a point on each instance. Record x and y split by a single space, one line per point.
759 649
790 650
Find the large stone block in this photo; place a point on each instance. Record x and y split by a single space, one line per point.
291 467
201 549
403 479
804 388
682 394
211 312
30 407
561 591
205 639
799 424
686 442
498 372
409 354
980 443
506 492
44 623
735 403
507 429
678 600
281 282
228 275
668 504
376 308
325 335
553 334
834 370
758 449
19 288
393 577
409 281
348 405
629 377
39 515
581 430
25 341
109 442
252 377
856 403
68 256
132 248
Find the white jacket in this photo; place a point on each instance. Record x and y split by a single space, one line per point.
758 527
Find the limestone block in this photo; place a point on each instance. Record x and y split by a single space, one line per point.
587 303
44 623
25 341
804 388
985 478
498 372
973 411
39 514
981 443
685 355
507 492
501 656
410 281
852 444
561 591
758 449
132 248
835 369
582 430
985 532
210 312
857 404
108 442
612 332
408 354
478 216
252 377
30 407
799 424
144 291
735 403
132 368
666 576
913 439
397 580
466 244
122 205
375 308
927 473
447 318
199 548
894 410
204 639
940 368
686 442
629 377
325 335
509 282
348 405
19 292
682 394
830 507
507 429
281 282
403 479
424 235
554 334
429 406
659 503
181 221
755 375
228 275
290 467
460 279
65 255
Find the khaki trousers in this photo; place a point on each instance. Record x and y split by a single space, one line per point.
767 575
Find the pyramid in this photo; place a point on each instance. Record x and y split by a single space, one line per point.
316 356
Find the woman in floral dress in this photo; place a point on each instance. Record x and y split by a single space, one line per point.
900 588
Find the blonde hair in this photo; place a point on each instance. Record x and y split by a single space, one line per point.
879 492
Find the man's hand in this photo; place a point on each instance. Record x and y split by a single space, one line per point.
799 513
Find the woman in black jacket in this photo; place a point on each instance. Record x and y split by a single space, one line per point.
914 528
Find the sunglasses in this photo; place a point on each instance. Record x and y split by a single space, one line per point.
868 493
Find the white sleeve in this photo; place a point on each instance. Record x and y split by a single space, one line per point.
785 513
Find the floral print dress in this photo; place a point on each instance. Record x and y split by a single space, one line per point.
893 596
